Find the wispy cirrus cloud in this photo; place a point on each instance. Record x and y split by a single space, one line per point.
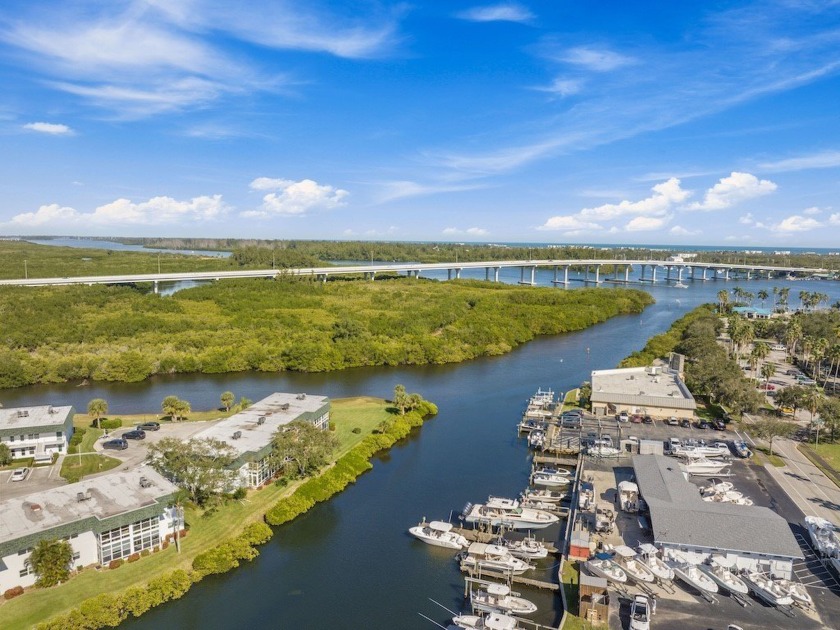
401 189
51 129
824 159
473 231
595 59
504 12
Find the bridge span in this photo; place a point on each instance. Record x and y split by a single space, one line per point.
673 271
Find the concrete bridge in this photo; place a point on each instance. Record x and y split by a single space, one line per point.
669 271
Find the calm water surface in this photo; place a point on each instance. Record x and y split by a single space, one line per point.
349 563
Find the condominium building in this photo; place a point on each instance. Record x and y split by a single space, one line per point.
37 432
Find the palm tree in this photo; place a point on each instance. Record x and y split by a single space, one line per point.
227 400
723 300
813 398
784 294
775 293
818 353
97 408
761 350
833 355
803 297
793 335
763 295
768 371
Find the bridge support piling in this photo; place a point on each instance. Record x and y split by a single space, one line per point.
597 274
533 276
627 274
644 269
157 289
653 273
458 274
668 273
496 274
487 274
449 274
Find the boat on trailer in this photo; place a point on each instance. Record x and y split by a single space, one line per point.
694 577
767 589
607 569
498 598
635 569
438 534
725 578
797 591
648 555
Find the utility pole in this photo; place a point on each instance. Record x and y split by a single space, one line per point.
25 270
158 262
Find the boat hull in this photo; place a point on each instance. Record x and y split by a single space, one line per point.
452 542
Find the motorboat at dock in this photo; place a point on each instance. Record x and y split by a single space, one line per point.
498 598
509 513
607 569
536 439
551 477
640 613
767 589
483 557
635 569
546 496
439 534
648 555
528 548
530 424
493 621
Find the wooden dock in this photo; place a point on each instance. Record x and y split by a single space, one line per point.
556 460
477 535
506 577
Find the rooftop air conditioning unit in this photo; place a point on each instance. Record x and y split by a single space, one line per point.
23 413
52 409
261 420
285 406
145 483
632 377
237 435
301 396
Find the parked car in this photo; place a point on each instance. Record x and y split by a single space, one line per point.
778 347
136 434
719 424
571 421
793 372
804 380
685 423
768 387
623 417
672 421
636 419
118 444
647 420
787 411
149 426
19 474
703 425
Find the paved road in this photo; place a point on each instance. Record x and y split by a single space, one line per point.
805 484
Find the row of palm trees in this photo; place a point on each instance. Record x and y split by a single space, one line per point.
808 300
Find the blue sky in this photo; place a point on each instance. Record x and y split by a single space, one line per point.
550 121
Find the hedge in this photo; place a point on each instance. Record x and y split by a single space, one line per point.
13 592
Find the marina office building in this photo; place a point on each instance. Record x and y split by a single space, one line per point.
746 537
105 518
250 432
37 432
654 391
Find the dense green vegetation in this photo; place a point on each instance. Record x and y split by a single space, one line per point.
658 346
119 334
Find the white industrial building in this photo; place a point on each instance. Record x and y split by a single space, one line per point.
104 518
250 432
747 537
654 391
37 432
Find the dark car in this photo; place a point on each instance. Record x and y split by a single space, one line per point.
647 420
137 434
149 426
719 424
685 423
571 421
118 444
703 424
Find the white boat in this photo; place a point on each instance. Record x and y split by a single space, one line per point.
797 591
725 578
536 439
718 449
484 557
691 575
551 478
604 517
546 496
530 424
765 588
586 496
640 613
539 505
602 450
607 569
508 512
498 598
648 556
742 449
716 487
493 621
628 496
680 285
824 535
703 466
439 534
635 569
730 496
528 548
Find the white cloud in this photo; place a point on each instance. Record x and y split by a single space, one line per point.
473 231
52 129
664 197
568 223
796 223
506 12
747 219
825 159
598 60
404 188
678 230
563 87
155 211
811 211
734 189
293 198
640 224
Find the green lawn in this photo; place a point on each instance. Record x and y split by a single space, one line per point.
764 453
130 420
76 467
830 453
205 531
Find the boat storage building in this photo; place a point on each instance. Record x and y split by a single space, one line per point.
747 537
654 391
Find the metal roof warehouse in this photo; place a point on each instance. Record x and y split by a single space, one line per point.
656 391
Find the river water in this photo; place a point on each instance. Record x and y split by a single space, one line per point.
349 563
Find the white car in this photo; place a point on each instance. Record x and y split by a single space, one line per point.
19 474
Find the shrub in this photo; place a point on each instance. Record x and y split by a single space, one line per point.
332 426
357 430
224 557
116 564
111 423
257 533
146 552
133 557
13 592
240 493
